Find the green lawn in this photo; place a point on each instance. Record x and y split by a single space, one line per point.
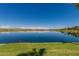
52 49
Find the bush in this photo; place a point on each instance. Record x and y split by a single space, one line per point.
34 52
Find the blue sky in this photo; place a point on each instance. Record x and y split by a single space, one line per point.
39 15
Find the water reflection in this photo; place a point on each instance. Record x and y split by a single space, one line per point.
72 34
17 37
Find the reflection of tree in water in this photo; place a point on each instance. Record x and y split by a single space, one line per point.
72 34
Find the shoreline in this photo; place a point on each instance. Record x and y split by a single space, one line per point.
41 43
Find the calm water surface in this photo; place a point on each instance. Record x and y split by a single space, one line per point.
13 37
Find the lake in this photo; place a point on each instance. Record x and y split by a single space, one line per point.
16 37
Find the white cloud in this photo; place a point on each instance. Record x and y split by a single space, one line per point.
34 27
5 27
24 27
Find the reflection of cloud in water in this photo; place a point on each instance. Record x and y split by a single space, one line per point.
33 31
25 32
5 32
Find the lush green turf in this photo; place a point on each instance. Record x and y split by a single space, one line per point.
52 49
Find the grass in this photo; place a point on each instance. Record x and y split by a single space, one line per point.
52 49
